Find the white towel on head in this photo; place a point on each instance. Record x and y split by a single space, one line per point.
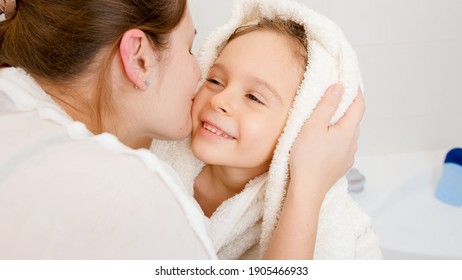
242 226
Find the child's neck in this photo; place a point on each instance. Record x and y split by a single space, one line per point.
215 184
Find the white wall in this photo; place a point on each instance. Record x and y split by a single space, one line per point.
410 52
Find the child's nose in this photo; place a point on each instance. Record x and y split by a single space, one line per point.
222 102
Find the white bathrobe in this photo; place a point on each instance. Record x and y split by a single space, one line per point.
242 226
68 194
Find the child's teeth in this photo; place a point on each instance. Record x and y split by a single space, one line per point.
213 130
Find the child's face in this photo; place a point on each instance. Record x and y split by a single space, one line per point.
240 111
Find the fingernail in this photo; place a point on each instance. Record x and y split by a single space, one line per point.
337 90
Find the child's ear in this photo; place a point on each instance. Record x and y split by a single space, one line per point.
137 57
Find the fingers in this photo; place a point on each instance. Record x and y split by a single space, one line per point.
355 112
327 106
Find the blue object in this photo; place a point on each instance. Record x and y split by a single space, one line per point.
356 180
449 188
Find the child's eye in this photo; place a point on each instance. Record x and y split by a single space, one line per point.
214 81
254 98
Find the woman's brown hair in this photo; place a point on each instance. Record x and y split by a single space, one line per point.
57 40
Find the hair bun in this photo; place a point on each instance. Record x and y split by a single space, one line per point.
8 7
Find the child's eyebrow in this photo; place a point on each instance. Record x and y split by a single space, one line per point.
263 83
217 65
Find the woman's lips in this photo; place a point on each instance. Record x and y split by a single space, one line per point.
216 130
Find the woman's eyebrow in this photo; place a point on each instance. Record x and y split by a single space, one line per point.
263 83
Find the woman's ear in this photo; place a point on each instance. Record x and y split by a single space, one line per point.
137 57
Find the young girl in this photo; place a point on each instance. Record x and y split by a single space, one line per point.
264 75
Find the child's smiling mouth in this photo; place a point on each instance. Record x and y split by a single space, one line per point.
217 131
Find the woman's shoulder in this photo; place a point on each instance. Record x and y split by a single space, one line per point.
98 192
65 152
100 198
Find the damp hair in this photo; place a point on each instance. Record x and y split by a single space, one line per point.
290 29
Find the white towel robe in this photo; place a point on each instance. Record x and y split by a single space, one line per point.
344 230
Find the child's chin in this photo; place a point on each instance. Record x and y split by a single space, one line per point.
208 156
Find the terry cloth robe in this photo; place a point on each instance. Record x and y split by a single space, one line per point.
242 226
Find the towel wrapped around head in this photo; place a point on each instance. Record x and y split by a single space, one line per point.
242 226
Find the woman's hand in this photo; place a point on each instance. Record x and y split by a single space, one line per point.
323 153
320 156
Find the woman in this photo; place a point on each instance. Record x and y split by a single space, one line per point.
71 76
81 91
